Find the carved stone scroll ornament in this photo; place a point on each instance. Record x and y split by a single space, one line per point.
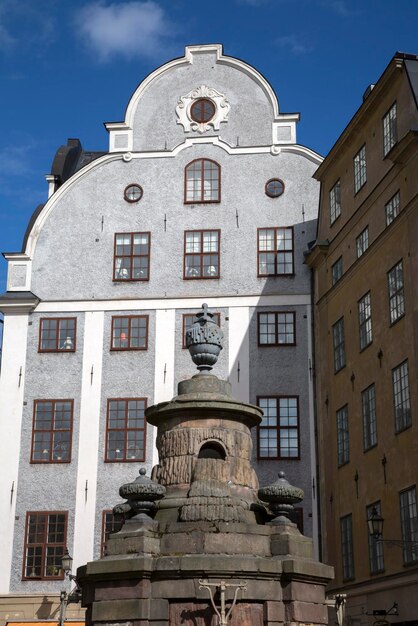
222 108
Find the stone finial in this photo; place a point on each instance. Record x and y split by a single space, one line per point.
204 340
281 496
141 495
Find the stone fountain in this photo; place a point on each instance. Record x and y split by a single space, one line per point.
202 545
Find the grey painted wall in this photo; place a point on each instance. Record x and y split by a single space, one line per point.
79 265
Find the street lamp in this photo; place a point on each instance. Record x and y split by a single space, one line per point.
73 596
375 524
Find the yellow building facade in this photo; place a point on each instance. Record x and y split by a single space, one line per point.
365 267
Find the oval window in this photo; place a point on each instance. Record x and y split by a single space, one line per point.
133 193
202 110
274 187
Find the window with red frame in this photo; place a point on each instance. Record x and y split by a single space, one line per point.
132 256
276 328
202 182
45 542
130 332
52 431
201 254
278 433
110 524
275 251
125 430
57 334
189 318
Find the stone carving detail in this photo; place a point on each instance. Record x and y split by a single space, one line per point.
189 440
281 496
222 108
141 495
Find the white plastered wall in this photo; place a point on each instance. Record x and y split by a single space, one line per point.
12 382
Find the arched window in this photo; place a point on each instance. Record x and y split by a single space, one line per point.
212 450
202 182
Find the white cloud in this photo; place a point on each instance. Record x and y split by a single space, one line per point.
128 29
294 44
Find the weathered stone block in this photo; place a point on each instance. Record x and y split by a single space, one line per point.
274 611
183 588
306 592
291 543
117 610
236 544
306 612
159 609
123 589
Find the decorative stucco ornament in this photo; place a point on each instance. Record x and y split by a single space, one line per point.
281 496
222 108
141 495
204 340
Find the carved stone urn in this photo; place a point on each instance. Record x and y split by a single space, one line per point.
281 496
204 340
141 495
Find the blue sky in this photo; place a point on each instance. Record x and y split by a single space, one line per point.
68 66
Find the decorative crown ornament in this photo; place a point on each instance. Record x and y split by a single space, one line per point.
204 340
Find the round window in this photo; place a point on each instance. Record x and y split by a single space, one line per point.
274 187
202 110
133 193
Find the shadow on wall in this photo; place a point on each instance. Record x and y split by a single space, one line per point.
277 348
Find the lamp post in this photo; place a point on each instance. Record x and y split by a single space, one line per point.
73 596
375 526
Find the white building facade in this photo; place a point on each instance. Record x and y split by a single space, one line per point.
203 196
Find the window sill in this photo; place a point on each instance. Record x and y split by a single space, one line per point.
366 346
402 430
365 450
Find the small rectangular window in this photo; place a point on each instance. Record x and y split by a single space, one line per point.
390 132
201 254
275 251
401 399
368 402
45 542
188 320
52 431
343 439
360 171
409 525
110 524
125 430
362 242
276 328
347 552
376 559
130 332
392 208
365 321
278 433
339 345
57 334
335 202
337 270
396 292
132 256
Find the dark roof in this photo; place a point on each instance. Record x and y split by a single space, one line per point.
412 71
18 295
30 225
68 159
